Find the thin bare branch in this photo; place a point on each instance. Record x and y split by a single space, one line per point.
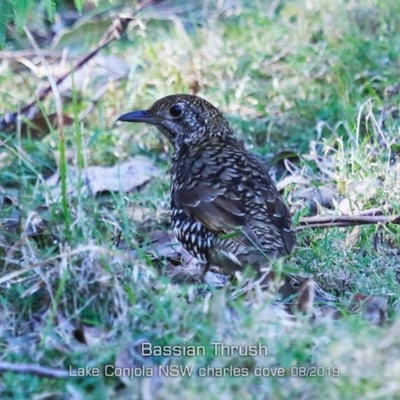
53 85
345 220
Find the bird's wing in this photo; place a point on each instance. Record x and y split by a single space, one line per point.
218 209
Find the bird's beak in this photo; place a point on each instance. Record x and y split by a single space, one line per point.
139 116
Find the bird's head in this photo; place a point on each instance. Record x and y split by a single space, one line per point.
184 119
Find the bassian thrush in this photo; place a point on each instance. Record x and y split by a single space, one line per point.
225 210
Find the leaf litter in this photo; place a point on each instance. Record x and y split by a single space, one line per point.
124 177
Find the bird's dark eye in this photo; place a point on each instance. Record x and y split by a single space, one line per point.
176 111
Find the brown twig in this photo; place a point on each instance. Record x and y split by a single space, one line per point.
346 220
114 32
33 369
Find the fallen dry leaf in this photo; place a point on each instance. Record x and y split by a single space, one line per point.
96 73
38 127
327 313
306 295
357 194
353 237
71 37
323 196
91 336
373 308
123 177
348 206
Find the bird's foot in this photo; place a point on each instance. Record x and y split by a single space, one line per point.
203 271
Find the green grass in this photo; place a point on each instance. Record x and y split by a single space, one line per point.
316 73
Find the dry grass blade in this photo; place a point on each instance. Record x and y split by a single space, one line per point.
60 117
33 369
82 249
53 83
27 53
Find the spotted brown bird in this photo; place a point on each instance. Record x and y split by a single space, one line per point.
225 210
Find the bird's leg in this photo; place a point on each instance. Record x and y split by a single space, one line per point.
204 268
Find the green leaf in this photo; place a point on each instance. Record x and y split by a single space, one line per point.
21 11
5 12
51 9
395 148
231 235
79 5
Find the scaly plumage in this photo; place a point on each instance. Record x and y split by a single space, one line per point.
224 208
